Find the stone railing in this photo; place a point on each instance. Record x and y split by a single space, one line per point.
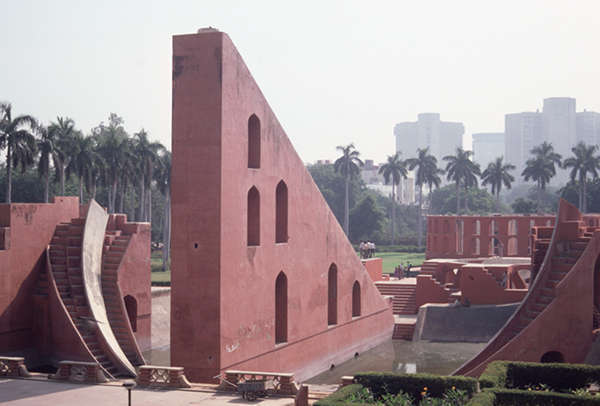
80 372
159 376
13 367
277 383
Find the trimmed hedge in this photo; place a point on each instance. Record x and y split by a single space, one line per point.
494 375
558 377
516 397
380 383
160 283
340 396
485 398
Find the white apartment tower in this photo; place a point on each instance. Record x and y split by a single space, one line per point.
441 137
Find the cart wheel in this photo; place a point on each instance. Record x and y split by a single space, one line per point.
250 396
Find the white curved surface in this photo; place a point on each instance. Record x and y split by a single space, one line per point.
91 265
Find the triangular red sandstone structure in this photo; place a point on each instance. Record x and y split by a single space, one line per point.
263 275
555 321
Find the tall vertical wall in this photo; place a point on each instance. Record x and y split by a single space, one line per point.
223 290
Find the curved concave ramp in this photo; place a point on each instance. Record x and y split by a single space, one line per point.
91 263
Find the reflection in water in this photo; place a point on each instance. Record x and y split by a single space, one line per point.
404 356
391 356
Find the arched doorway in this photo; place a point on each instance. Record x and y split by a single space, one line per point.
552 356
281 302
131 307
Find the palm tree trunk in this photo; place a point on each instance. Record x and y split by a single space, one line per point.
140 216
8 175
113 195
80 189
539 198
149 204
584 196
46 186
347 208
498 201
166 231
419 217
62 179
94 188
393 212
458 198
123 197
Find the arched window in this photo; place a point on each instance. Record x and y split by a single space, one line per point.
512 248
253 217
356 299
476 246
253 142
281 213
131 307
332 295
281 308
477 227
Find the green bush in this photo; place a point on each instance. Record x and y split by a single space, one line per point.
484 398
494 375
558 377
380 383
161 283
341 396
516 397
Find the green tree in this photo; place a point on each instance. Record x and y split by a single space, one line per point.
147 154
16 137
584 162
497 174
523 206
427 173
395 170
82 159
479 201
47 148
461 170
162 175
366 219
348 165
541 168
62 132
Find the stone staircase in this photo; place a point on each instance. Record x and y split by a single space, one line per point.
404 302
115 245
403 331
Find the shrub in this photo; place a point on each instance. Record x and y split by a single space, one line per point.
342 396
516 397
558 377
494 375
484 398
414 384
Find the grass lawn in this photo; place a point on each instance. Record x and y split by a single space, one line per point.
393 259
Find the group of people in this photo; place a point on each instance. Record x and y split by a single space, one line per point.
402 271
367 249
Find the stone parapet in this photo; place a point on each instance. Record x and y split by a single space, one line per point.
160 376
13 367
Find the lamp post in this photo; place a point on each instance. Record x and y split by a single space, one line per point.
129 386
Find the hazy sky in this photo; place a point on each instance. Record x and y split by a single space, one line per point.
334 72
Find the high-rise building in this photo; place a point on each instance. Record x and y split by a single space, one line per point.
522 131
588 127
558 123
487 147
441 137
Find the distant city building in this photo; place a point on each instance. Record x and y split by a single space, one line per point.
441 137
369 173
558 123
487 147
588 127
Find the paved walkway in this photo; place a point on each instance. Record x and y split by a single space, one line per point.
35 392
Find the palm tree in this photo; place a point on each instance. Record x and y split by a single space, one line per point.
348 165
497 174
47 147
461 170
82 160
162 175
16 137
112 146
147 154
585 161
541 168
63 132
427 173
394 168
